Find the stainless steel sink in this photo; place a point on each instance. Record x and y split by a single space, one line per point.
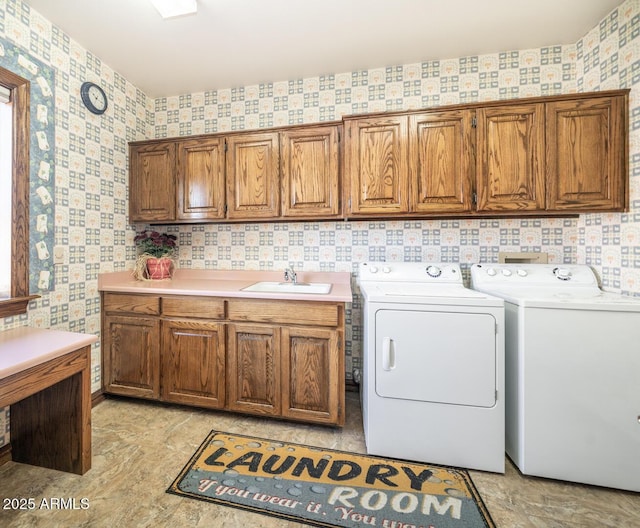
317 288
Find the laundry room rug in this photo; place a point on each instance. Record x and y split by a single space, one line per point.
324 487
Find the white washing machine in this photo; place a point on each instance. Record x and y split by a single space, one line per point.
573 373
433 366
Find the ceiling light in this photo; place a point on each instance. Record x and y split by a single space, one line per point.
175 8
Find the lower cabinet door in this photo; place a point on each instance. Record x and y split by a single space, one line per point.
193 362
253 378
132 356
312 375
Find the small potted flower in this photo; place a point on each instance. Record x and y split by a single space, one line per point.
156 255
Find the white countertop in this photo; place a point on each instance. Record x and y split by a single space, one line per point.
228 283
25 347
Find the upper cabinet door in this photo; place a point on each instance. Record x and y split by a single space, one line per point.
587 153
440 161
152 188
253 176
201 189
510 158
310 171
376 165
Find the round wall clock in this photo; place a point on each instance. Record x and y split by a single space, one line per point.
93 97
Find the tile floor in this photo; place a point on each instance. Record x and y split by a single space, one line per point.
139 447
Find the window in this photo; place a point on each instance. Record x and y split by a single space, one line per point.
6 134
16 299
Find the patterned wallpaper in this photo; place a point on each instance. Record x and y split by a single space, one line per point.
606 58
505 75
41 161
82 167
90 170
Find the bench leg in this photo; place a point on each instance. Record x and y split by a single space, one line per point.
52 428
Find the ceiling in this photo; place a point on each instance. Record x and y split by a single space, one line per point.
231 43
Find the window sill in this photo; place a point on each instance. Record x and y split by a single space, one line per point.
15 305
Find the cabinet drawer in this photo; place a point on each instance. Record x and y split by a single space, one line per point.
138 304
201 307
286 312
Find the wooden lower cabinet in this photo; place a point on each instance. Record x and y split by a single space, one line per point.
254 382
193 362
286 371
131 359
312 375
278 359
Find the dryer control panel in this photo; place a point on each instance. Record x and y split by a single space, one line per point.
434 272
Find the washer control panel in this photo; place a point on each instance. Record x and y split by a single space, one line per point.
431 272
532 275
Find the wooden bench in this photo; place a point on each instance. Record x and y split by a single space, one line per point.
45 376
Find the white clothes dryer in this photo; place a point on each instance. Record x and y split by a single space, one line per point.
572 373
433 366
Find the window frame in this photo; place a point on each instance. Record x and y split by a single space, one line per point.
20 100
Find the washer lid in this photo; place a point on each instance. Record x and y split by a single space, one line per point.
422 293
573 299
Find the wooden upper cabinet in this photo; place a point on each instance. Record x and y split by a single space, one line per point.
310 171
376 164
562 154
152 187
201 188
587 153
252 176
510 158
440 161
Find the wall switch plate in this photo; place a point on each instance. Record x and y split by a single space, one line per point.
59 254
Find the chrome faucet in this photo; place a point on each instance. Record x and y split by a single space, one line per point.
290 275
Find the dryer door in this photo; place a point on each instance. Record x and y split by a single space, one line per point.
435 356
